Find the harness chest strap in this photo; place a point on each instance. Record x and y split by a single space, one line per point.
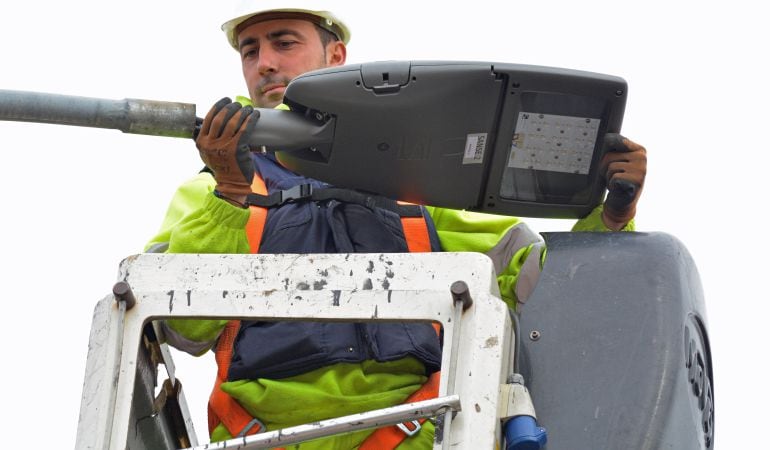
412 221
226 410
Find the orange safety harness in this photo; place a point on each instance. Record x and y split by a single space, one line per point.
224 409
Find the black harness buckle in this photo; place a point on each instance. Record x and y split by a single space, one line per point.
295 193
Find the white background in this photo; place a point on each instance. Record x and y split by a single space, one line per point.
76 201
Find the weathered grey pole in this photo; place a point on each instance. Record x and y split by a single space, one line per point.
278 129
133 116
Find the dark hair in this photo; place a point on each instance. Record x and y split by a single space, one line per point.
325 35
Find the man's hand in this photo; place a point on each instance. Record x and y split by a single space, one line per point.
624 166
223 148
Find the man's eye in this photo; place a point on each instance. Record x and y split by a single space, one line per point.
249 53
284 45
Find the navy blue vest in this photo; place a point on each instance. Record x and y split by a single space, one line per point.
282 349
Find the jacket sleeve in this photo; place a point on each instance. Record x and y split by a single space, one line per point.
593 222
198 222
517 253
506 240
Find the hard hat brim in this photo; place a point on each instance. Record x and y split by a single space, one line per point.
323 19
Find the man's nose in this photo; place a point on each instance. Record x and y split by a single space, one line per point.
268 61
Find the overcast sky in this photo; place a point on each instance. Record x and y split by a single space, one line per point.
77 201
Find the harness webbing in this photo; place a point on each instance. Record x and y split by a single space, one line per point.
257 216
222 407
415 232
225 409
308 192
390 437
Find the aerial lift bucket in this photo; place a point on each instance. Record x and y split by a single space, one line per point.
612 342
120 410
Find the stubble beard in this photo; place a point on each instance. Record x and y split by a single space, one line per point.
273 100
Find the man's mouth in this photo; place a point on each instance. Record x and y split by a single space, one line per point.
271 87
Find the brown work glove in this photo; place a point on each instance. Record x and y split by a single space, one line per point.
222 144
624 166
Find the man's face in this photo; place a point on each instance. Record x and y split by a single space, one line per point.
274 52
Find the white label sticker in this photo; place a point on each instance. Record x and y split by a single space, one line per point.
553 143
475 144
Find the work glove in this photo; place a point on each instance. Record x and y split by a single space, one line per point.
223 146
625 166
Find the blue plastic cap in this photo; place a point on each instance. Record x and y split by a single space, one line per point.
522 433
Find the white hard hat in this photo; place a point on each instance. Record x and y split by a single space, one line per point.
311 10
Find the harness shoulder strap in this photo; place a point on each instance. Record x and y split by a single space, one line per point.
416 233
257 215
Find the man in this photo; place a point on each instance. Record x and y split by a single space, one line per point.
310 371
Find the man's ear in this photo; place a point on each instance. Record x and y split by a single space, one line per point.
336 53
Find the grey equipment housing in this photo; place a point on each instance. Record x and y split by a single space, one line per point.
498 138
614 344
